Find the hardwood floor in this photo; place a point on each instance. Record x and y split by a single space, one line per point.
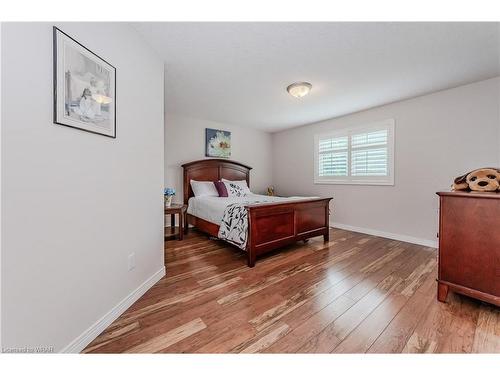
355 294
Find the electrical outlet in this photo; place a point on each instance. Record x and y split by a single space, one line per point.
131 261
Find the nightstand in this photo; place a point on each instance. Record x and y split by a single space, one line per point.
172 231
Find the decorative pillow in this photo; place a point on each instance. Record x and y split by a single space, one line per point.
240 183
234 190
204 188
221 188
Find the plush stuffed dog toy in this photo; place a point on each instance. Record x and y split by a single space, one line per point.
484 179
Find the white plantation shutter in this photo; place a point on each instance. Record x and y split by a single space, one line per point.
333 156
357 156
371 162
369 153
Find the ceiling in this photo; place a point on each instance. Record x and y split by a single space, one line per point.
237 73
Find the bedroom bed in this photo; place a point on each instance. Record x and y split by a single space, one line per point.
272 222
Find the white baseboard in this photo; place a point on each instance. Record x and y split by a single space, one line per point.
392 236
78 344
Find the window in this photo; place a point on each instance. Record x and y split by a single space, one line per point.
361 155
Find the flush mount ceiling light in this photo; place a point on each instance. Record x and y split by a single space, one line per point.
299 89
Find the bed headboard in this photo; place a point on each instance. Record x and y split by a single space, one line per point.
213 170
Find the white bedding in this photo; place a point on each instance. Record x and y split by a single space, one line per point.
212 208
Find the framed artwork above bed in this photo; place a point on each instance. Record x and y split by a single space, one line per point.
84 87
217 143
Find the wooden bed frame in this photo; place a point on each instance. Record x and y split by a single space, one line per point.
270 225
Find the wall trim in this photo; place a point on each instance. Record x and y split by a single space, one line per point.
392 236
78 344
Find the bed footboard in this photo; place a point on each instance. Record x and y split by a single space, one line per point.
273 225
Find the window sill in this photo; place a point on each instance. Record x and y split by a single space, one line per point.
340 182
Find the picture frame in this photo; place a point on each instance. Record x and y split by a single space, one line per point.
84 87
217 143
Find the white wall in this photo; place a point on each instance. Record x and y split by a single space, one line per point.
1 194
437 137
498 114
185 142
75 204
498 99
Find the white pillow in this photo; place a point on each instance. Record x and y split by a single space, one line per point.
234 190
240 183
204 189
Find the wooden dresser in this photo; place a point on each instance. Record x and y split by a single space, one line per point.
469 245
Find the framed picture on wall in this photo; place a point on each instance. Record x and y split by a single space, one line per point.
84 87
217 143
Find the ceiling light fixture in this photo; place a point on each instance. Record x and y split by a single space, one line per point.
299 89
